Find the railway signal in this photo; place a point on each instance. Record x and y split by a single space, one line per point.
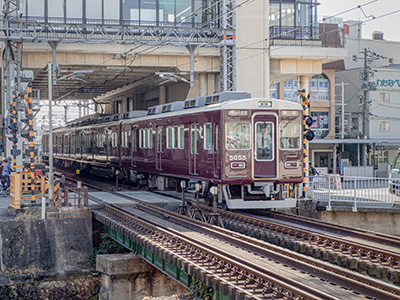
308 134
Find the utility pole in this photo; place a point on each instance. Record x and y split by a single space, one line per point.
365 89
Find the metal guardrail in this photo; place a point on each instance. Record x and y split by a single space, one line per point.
376 192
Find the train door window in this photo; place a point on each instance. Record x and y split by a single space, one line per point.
290 135
264 140
238 135
159 139
207 136
216 137
134 140
169 137
194 136
181 139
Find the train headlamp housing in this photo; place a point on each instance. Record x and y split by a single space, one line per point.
289 113
265 104
238 165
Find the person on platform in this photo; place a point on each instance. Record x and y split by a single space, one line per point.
6 175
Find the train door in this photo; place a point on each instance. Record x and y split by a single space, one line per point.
159 148
194 147
264 145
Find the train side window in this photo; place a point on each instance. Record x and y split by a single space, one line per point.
181 138
150 136
146 138
134 140
207 136
169 137
141 138
159 139
175 136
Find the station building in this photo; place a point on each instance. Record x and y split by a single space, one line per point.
125 55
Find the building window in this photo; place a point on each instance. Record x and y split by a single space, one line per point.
319 87
384 97
383 157
289 90
273 91
384 125
320 126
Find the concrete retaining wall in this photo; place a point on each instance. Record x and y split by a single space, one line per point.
59 243
379 220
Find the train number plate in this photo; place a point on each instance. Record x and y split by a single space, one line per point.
237 157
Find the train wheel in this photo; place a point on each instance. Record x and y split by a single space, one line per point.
208 199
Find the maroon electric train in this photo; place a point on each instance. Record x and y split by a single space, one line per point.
246 147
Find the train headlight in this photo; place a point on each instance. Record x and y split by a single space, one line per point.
238 165
265 104
291 165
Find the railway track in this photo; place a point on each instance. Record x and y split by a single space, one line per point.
327 242
371 253
249 267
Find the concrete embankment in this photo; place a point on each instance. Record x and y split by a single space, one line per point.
45 259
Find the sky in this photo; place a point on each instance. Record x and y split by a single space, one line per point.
389 25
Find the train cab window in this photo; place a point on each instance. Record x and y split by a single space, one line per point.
134 140
207 136
181 139
264 140
290 135
238 135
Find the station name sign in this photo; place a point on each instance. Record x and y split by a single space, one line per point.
388 82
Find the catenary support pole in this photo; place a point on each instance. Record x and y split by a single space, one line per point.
51 182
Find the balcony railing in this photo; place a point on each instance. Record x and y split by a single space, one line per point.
323 35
